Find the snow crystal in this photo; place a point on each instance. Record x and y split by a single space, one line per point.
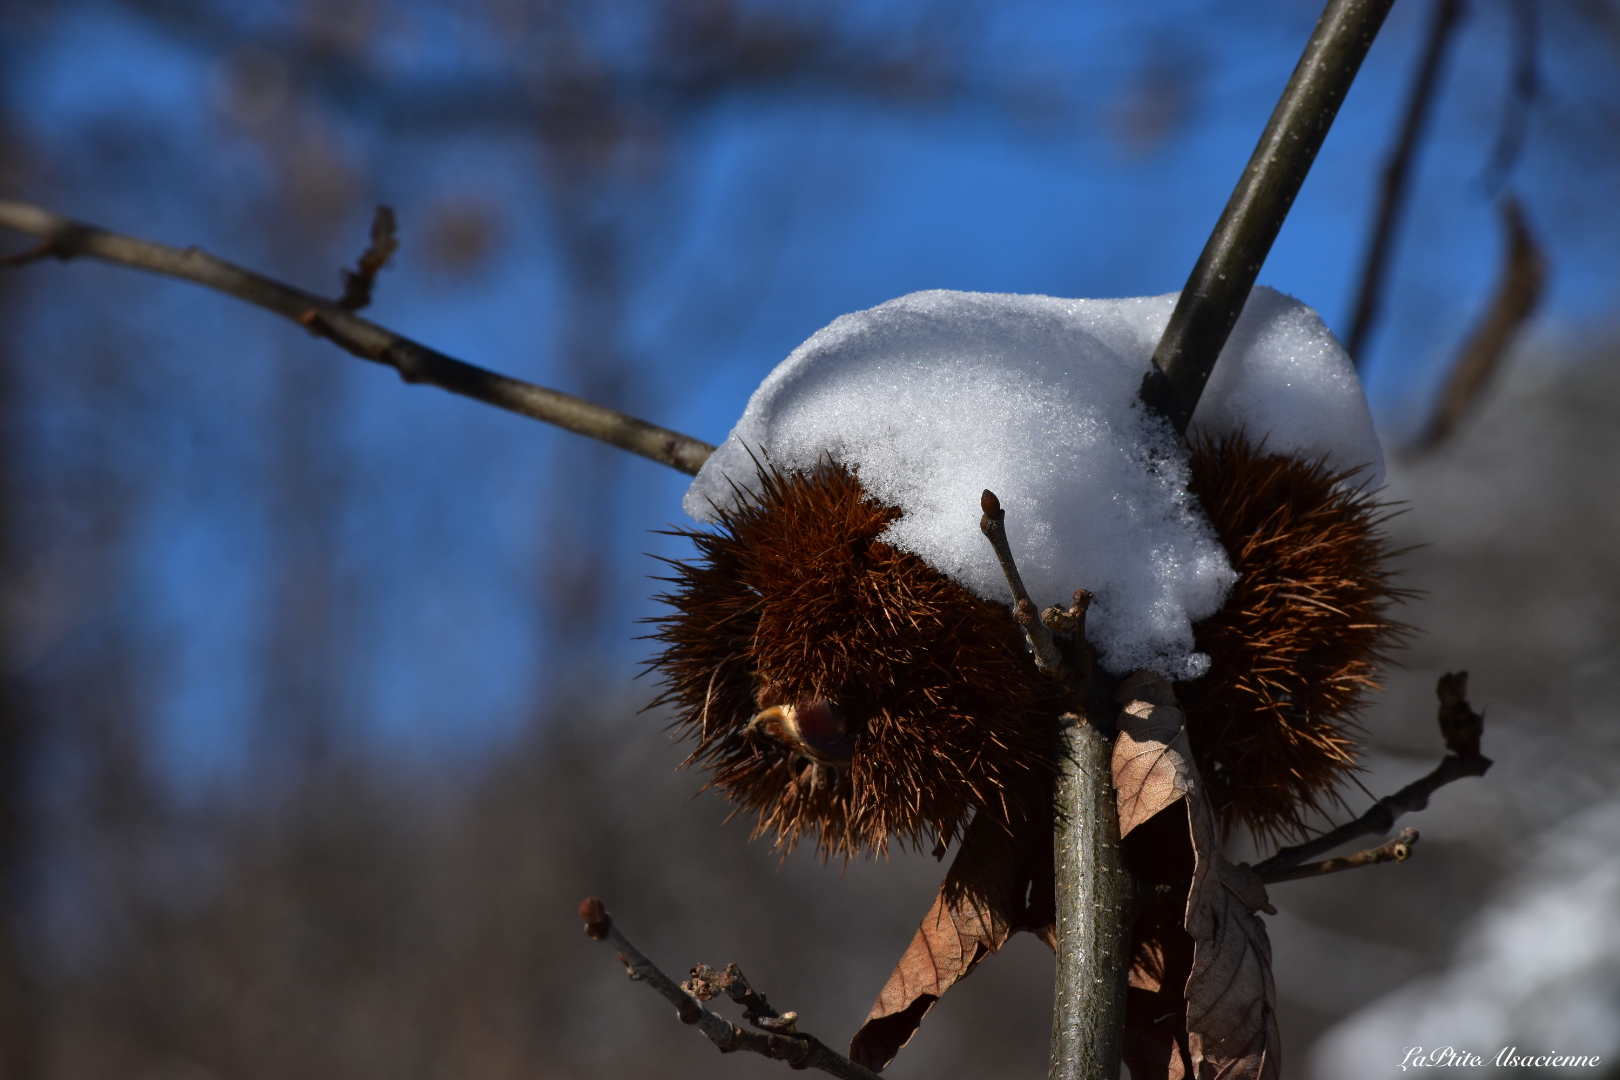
936 396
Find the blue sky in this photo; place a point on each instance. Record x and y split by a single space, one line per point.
770 216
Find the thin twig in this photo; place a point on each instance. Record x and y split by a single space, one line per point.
1397 173
1048 658
1396 850
1460 725
39 251
69 239
1219 286
707 983
799 1049
1518 292
358 283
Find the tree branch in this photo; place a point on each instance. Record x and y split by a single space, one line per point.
1096 905
781 1041
1460 725
1396 850
65 238
1518 292
1219 286
1095 895
1397 172
358 283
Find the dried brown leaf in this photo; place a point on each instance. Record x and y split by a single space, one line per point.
1227 1012
1151 762
1231 1000
999 883
1155 1042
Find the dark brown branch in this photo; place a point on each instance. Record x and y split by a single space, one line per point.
1460 726
1397 173
1219 286
1396 850
68 239
1524 278
33 254
358 283
799 1049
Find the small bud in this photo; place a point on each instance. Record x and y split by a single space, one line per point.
989 503
597 922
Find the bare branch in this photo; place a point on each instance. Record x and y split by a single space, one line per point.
1219 285
1525 87
1095 897
1460 726
65 238
1397 173
1048 659
707 983
1524 277
1396 850
357 283
799 1049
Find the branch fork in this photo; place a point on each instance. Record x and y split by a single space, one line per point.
779 1038
1461 727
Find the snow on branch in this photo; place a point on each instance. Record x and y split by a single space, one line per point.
64 238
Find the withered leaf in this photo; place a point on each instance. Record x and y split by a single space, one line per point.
1223 1024
999 884
1152 762
1231 999
1155 1043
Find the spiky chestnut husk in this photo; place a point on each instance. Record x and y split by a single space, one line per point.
1296 648
794 602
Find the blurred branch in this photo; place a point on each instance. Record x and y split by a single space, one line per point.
1219 285
780 1040
1522 93
65 238
1524 278
1397 173
695 56
1460 725
358 283
1396 850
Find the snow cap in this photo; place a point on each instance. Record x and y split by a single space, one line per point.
936 396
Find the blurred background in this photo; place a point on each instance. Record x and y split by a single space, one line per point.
318 708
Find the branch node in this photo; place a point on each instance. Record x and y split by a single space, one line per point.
780 1038
1396 850
1462 728
1048 657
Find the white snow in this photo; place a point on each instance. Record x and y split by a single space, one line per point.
936 396
1538 969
